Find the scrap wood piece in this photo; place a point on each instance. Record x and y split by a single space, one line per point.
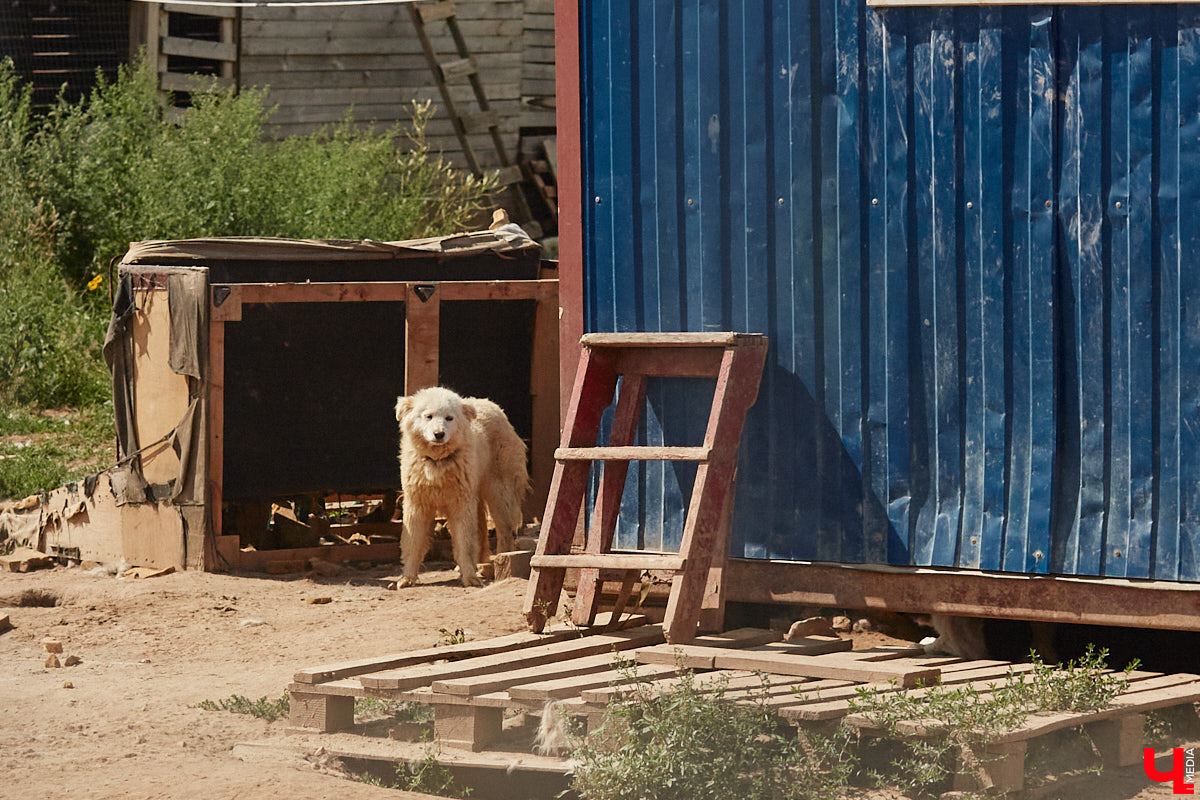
5 623
514 641
147 572
24 559
426 674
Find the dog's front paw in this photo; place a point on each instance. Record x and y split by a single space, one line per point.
471 580
406 581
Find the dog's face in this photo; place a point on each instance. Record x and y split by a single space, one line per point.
434 416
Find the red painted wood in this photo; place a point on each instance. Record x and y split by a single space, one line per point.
594 385
569 179
608 500
739 368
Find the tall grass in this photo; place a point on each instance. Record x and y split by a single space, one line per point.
78 184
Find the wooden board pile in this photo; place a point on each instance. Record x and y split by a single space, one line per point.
474 687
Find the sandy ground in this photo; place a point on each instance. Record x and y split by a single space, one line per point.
129 726
153 649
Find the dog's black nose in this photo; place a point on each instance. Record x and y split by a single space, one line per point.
439 435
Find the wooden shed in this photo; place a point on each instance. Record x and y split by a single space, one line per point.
254 382
318 64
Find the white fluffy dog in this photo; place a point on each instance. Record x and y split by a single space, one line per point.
458 455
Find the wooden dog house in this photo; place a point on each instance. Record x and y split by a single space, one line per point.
251 374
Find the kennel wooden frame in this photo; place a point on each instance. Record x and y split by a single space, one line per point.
422 301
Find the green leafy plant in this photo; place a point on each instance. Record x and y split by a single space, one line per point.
953 719
80 182
694 742
47 448
264 707
447 637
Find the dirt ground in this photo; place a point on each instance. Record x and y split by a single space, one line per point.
125 722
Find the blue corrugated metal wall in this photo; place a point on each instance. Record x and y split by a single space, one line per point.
973 237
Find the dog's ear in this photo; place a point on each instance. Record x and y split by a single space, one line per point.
403 406
468 410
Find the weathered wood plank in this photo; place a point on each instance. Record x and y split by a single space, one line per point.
633 453
508 679
573 686
512 642
425 675
809 666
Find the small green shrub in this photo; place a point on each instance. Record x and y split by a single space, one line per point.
448 637
693 743
264 707
81 182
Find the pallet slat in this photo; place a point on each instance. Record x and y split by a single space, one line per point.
514 641
425 674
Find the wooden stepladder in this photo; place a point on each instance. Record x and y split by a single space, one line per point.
736 361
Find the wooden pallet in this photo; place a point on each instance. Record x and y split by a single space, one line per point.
474 687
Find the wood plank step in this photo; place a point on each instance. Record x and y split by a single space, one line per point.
513 641
457 68
481 121
426 674
434 11
633 453
682 339
667 562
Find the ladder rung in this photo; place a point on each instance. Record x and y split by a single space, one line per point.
436 11
481 122
457 68
666 562
510 175
633 453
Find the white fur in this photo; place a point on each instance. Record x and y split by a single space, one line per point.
458 457
553 737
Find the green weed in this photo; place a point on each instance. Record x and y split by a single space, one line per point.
955 718
264 707
43 449
82 181
449 637
692 742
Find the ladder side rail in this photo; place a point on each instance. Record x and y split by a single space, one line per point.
595 382
737 388
626 415
444 90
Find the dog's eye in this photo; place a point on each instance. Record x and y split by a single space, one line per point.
449 419
429 416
